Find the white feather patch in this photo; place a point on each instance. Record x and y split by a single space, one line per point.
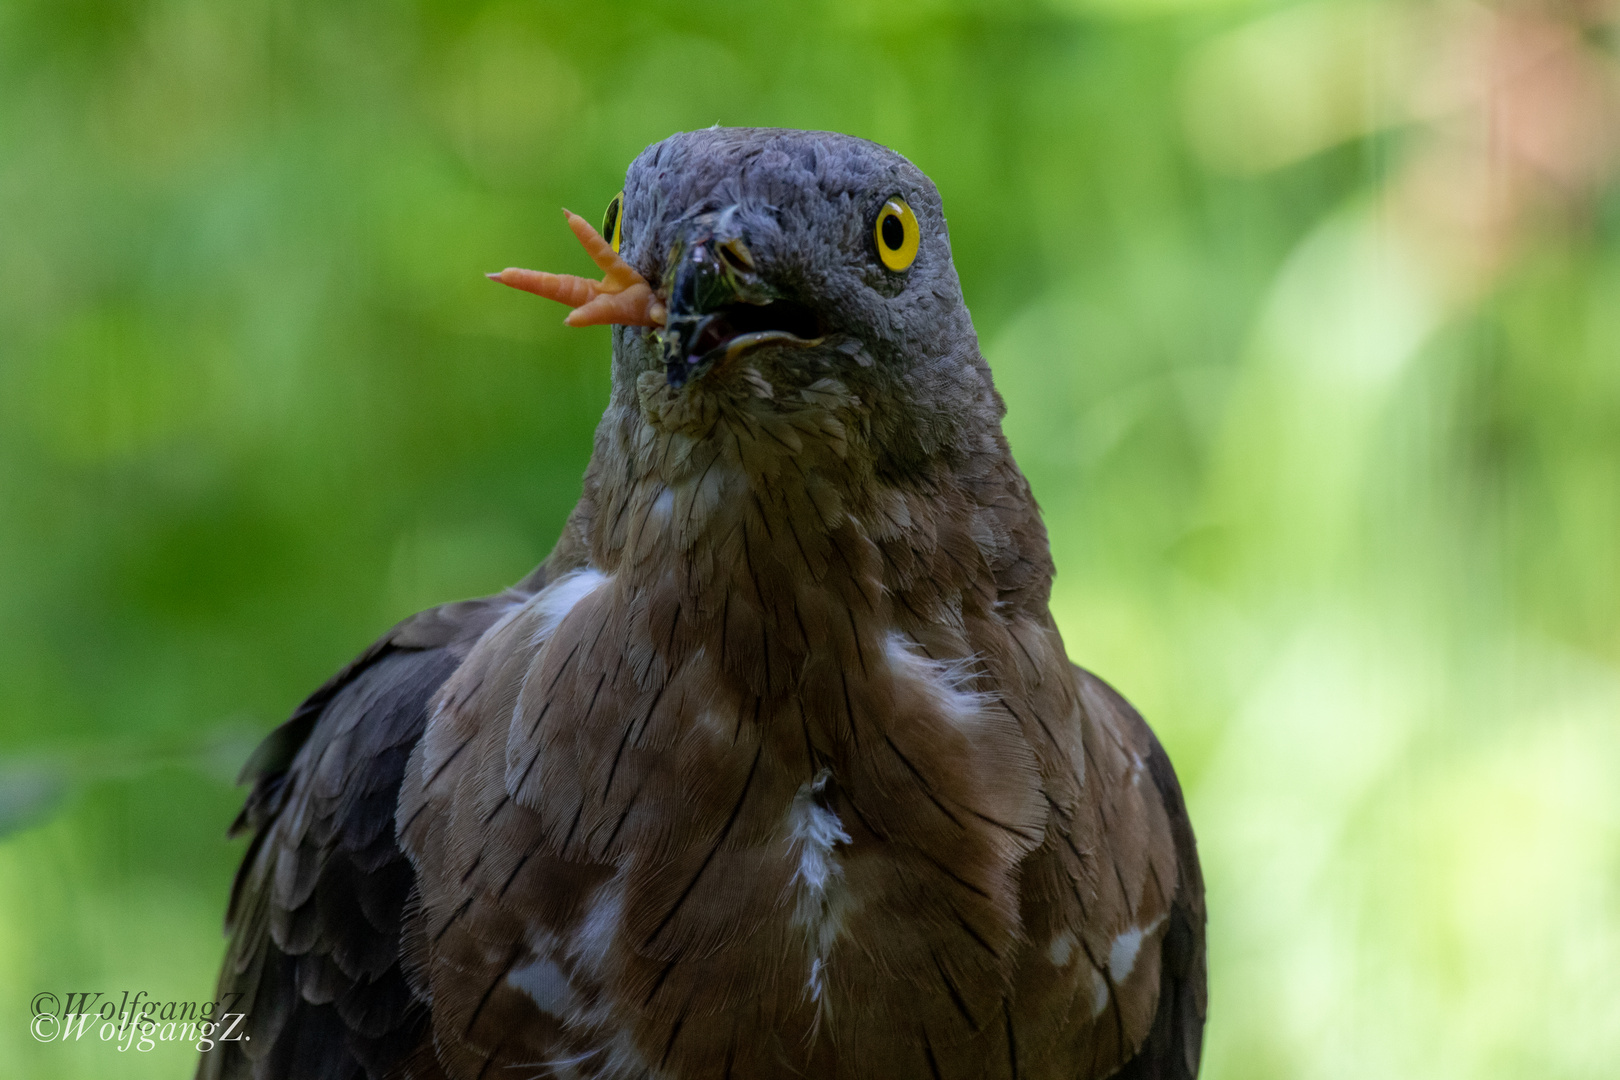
1061 950
1099 993
663 506
552 604
818 908
547 986
599 929
1127 946
946 682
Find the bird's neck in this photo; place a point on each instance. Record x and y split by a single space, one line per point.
757 523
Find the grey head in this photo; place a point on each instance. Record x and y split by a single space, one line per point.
771 244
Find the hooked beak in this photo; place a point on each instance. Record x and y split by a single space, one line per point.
718 305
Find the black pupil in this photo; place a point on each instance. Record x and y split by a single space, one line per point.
894 233
611 219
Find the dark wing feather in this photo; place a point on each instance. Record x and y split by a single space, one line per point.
1175 1042
317 904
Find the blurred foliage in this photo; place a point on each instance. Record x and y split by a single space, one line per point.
1305 317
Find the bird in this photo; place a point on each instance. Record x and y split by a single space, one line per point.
777 766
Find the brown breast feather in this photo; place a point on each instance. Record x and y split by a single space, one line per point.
785 773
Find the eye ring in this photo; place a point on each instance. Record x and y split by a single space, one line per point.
896 234
613 221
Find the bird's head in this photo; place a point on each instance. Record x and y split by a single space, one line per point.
787 258
786 243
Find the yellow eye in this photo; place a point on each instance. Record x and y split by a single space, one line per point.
613 221
896 233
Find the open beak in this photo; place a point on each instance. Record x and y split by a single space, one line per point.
719 307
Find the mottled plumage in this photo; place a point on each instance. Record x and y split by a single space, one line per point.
776 767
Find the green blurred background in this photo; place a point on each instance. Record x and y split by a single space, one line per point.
1308 321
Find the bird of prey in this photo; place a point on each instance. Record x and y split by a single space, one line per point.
776 767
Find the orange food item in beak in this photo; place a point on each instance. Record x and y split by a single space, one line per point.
622 297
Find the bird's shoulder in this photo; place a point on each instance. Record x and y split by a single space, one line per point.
316 906
1142 870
